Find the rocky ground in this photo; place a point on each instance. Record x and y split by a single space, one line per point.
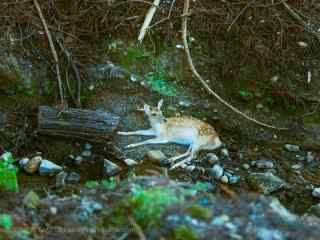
261 184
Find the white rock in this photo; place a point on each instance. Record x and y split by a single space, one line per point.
48 168
216 171
130 162
23 162
316 192
224 179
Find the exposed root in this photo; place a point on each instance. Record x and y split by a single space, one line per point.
203 82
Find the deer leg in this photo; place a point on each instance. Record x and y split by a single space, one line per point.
180 156
186 160
149 132
149 141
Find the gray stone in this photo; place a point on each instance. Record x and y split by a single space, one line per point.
315 210
265 183
48 168
78 160
225 152
33 164
190 168
156 156
316 192
292 148
212 158
263 164
23 162
60 179
130 162
110 168
245 166
216 171
73 178
297 167
87 146
310 157
86 153
224 179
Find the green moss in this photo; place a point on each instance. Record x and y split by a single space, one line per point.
6 221
200 212
148 205
183 232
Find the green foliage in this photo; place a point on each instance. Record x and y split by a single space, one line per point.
91 184
183 232
147 205
158 82
110 183
6 221
8 173
245 95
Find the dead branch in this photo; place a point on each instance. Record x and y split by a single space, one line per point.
198 76
296 16
53 50
148 19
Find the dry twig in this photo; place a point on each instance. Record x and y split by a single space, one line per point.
53 50
203 82
137 228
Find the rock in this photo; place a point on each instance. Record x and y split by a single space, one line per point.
190 168
232 179
245 166
265 183
212 158
60 179
297 167
86 153
216 171
263 164
130 162
48 168
110 168
31 200
78 160
310 157
53 210
87 146
23 162
292 148
73 178
156 156
225 152
185 103
224 179
316 192
315 210
33 164
300 157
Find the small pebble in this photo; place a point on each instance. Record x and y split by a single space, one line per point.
224 179
185 103
78 159
263 164
300 158
296 167
86 153
33 165
87 146
225 152
130 162
190 168
316 192
216 171
245 166
310 157
292 148
53 210
73 178
60 179
156 156
23 162
212 158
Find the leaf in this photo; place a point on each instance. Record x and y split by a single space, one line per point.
6 221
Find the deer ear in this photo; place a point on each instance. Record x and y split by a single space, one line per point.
146 108
160 103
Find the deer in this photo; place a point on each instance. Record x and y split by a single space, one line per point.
198 135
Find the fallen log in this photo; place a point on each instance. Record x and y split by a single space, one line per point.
77 123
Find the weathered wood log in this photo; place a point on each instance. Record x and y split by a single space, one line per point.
77 123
